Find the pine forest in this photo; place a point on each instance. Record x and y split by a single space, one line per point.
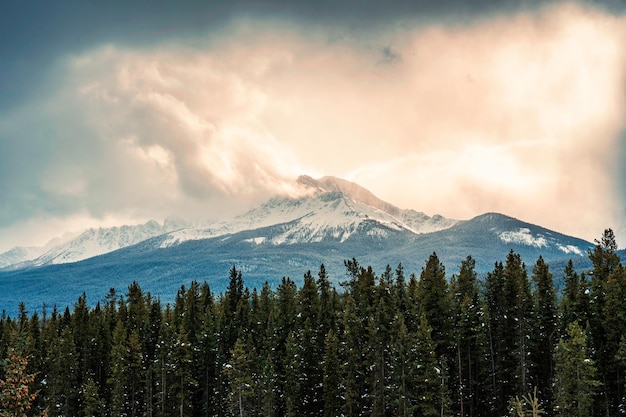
380 344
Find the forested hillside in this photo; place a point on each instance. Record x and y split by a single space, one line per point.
386 343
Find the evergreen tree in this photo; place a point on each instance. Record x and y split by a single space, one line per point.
16 396
353 370
82 335
284 325
545 335
605 261
379 349
92 403
571 306
164 366
136 374
467 330
291 388
62 379
575 375
207 363
434 303
120 383
430 375
310 349
266 387
183 383
614 314
230 305
239 374
406 364
328 305
518 327
497 330
332 377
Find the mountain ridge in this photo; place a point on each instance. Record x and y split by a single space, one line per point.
328 221
329 205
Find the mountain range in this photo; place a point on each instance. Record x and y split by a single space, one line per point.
328 221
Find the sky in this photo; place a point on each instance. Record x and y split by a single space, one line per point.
115 113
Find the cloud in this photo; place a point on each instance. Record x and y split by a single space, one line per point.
518 112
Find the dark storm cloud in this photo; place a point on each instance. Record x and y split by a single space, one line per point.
34 34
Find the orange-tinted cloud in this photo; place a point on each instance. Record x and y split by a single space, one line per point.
517 113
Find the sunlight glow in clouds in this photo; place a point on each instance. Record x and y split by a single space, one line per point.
519 114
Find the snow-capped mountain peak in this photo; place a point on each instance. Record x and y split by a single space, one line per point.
92 242
328 208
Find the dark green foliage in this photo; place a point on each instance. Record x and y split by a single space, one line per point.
434 303
575 377
606 320
332 377
382 346
545 332
471 369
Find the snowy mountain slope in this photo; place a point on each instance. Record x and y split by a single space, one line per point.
21 254
490 236
328 208
162 270
328 212
92 242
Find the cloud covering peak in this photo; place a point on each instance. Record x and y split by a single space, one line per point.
518 112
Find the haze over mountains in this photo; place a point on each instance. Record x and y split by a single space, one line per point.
330 220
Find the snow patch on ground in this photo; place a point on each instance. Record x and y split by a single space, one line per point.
523 237
256 240
571 249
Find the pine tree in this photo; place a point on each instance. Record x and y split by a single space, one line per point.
332 377
352 369
62 378
379 349
305 363
570 306
605 261
136 374
406 364
231 303
310 348
183 383
518 326
164 366
615 328
430 375
82 334
92 403
467 329
545 335
239 374
16 396
327 305
575 375
434 299
284 325
266 387
291 388
207 365
151 344
119 381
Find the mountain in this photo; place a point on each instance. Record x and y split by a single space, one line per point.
326 209
91 242
21 254
328 221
